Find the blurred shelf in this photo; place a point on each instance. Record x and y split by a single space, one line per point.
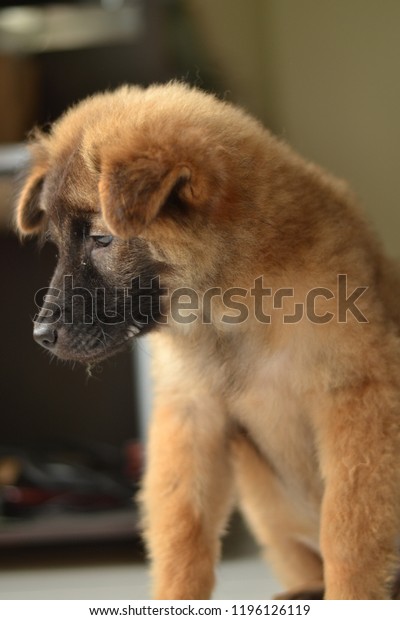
13 157
32 30
60 528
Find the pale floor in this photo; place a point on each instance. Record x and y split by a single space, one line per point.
119 572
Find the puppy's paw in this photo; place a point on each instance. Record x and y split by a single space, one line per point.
308 593
396 588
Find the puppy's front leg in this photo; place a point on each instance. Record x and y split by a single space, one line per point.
186 497
360 447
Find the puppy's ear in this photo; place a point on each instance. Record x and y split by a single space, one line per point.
134 188
133 193
29 214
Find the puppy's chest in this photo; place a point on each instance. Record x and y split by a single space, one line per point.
269 406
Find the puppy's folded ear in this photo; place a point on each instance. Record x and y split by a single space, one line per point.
133 193
134 189
29 214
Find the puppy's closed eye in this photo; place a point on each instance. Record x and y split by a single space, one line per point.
102 241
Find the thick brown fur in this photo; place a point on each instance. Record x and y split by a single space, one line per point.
298 422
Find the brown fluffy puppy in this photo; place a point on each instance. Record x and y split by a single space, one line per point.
287 402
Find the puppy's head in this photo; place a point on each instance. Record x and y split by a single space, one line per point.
126 185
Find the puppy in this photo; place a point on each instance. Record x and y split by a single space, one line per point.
274 317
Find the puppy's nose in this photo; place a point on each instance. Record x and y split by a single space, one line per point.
45 335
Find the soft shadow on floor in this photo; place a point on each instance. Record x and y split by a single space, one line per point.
119 571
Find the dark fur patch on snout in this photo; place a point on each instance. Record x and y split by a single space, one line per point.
96 306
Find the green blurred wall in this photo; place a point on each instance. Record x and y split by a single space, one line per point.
325 74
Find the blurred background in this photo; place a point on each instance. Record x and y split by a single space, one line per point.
322 74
